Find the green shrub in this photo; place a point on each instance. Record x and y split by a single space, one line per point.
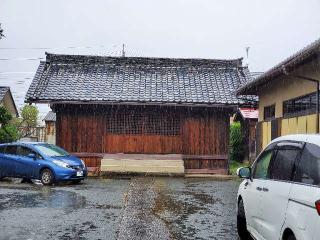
5 116
236 143
8 131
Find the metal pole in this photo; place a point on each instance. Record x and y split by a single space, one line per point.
317 106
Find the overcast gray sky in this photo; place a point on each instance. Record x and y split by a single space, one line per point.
274 29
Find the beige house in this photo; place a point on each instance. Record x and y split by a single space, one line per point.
7 101
50 121
288 96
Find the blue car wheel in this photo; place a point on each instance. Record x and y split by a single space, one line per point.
46 177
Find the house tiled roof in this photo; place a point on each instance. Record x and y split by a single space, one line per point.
3 92
50 117
72 78
283 68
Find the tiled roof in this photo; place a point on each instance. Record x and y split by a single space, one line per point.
283 68
97 79
3 92
50 117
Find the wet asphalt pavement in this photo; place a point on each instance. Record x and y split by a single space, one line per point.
136 208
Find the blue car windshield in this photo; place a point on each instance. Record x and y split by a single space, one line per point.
51 150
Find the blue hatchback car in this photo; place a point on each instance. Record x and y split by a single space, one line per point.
42 161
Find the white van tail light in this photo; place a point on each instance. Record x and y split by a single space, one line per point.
318 206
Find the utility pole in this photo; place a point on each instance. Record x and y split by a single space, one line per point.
123 50
1 32
247 51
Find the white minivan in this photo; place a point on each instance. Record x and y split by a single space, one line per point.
280 196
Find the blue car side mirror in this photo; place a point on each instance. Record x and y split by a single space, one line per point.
32 155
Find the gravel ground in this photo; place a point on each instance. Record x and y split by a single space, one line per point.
137 208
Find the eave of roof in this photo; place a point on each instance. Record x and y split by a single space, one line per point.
306 54
165 104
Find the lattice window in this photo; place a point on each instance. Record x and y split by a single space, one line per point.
134 122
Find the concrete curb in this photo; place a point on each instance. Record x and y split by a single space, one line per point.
132 174
212 176
139 174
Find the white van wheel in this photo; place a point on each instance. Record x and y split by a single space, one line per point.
291 237
241 222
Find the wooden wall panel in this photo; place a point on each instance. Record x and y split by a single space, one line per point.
258 138
148 144
203 132
275 128
206 135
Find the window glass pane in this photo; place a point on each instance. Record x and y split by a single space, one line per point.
51 150
297 105
24 151
262 166
11 149
269 112
308 170
313 99
305 103
2 148
290 106
283 163
300 104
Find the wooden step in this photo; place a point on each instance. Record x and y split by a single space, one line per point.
142 165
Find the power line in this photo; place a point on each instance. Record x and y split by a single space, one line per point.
44 48
21 59
113 51
3 77
17 72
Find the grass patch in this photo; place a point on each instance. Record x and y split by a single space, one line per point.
234 165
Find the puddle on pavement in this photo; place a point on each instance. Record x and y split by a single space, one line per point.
180 209
46 197
175 214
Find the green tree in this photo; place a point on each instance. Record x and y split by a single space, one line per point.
28 120
236 143
29 115
8 131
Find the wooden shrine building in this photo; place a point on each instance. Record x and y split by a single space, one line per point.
142 107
